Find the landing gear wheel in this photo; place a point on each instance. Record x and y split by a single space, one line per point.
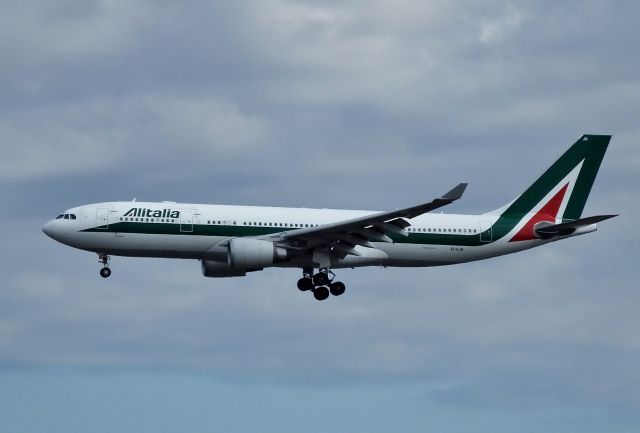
105 272
337 288
320 279
321 293
104 260
305 283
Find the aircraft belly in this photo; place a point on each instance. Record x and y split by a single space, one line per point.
434 255
147 245
420 255
405 255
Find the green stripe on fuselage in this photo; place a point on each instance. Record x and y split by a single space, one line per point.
252 231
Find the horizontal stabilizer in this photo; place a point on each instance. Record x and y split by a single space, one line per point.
564 229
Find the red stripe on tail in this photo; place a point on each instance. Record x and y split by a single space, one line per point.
548 213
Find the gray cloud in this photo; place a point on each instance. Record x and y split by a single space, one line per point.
328 104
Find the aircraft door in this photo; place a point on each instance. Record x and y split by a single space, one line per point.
186 221
102 218
486 231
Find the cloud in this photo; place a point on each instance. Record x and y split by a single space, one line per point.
68 30
495 30
324 104
70 138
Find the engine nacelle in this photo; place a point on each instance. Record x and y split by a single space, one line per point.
212 268
243 255
253 254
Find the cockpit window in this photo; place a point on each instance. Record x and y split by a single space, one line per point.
59 216
73 216
66 216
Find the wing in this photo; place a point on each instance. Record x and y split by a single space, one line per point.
342 237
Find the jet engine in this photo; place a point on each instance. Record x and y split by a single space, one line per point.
240 256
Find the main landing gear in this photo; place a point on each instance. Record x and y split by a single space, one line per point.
321 284
105 272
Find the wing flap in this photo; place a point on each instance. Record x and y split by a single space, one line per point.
373 235
344 250
392 228
351 239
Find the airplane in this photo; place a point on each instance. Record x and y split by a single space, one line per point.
230 241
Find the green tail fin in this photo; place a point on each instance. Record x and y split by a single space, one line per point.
558 196
565 186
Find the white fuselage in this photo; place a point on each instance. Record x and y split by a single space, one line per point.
180 230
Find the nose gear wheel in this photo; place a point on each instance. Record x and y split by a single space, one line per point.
105 272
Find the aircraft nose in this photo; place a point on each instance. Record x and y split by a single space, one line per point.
49 229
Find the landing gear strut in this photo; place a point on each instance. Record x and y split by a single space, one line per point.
105 272
320 283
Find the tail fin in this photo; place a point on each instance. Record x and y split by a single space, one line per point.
560 193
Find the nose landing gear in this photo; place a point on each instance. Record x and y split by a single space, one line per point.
105 272
320 283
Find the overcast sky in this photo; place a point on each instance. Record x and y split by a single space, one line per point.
346 104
